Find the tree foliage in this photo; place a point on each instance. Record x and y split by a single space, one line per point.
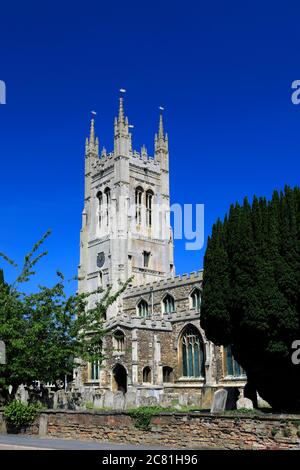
46 330
251 292
19 415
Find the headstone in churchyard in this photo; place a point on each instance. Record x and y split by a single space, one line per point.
98 401
2 353
219 401
118 401
43 426
148 401
194 399
261 403
244 403
108 399
130 399
183 399
22 394
55 400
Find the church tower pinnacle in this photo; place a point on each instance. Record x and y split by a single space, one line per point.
122 137
161 150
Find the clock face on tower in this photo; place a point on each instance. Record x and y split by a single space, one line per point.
100 259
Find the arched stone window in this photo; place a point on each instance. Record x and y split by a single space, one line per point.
168 374
149 200
147 375
231 367
143 310
107 202
195 299
100 207
191 355
119 341
168 304
138 204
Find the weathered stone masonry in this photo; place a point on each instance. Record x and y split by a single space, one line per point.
196 430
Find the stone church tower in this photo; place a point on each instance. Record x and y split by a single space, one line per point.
126 218
156 349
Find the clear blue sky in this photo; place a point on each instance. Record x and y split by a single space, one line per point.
222 69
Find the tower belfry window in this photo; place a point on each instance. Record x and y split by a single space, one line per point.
138 205
149 199
146 258
107 201
100 207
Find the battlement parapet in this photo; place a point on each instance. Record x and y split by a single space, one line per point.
176 281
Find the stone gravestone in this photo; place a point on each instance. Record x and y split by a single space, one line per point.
98 401
244 403
55 400
43 426
148 401
219 401
261 403
130 399
108 399
118 401
2 353
22 394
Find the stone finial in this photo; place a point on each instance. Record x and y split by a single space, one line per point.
144 152
160 139
92 142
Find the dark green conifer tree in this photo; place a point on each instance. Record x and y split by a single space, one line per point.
251 292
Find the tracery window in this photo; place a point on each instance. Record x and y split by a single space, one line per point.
143 310
168 304
119 341
232 367
192 353
196 299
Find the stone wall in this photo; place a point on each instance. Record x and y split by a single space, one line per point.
228 431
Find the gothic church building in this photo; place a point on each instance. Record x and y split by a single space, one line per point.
157 352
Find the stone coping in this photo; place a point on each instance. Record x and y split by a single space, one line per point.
189 414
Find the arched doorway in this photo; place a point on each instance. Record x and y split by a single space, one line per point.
119 382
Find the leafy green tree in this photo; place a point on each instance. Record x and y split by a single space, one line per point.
44 331
251 292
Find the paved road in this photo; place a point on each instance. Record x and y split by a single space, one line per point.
12 442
